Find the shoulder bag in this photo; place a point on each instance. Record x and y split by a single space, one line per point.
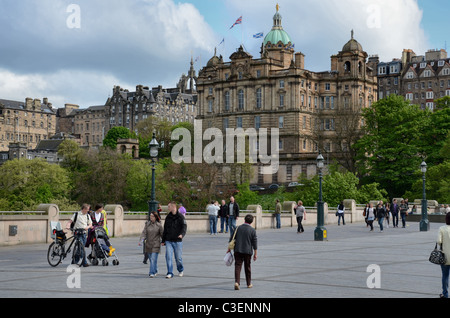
233 240
437 256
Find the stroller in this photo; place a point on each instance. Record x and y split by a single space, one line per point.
100 249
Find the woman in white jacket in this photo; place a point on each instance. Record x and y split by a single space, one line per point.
444 239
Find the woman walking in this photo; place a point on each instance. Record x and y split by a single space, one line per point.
152 233
380 213
370 214
340 213
444 240
403 212
300 213
246 245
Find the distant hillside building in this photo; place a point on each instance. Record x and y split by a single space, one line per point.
26 122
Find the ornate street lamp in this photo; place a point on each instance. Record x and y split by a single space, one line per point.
320 233
424 223
154 150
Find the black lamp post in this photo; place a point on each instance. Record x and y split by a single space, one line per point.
154 149
424 223
320 233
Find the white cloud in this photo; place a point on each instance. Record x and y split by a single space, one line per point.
86 88
321 28
138 42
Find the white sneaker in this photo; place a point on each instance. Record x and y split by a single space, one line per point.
181 274
169 276
152 275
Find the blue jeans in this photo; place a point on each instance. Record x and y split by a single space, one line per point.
213 224
403 216
171 249
223 223
232 224
153 257
82 238
445 274
380 222
341 215
278 218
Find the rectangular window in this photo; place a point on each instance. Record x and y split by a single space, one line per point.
257 122
239 122
281 122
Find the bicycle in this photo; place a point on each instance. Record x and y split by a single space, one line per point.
57 250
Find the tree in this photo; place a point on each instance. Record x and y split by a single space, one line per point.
116 133
24 184
391 148
437 132
103 180
163 130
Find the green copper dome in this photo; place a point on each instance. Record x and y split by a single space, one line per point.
277 33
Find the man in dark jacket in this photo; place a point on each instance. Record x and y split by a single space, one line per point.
174 231
380 213
233 211
246 245
223 215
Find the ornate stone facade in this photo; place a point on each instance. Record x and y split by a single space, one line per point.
311 109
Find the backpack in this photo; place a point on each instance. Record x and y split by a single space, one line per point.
75 220
72 225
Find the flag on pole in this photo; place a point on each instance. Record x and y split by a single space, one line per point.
238 21
258 35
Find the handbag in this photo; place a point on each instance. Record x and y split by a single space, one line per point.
233 241
228 259
437 256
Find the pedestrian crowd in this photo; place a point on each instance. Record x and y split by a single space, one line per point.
243 239
384 213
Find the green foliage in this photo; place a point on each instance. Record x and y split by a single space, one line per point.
24 184
245 197
116 133
390 151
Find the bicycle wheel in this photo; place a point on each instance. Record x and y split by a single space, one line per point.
77 255
54 254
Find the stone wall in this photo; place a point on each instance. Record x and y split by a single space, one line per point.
35 227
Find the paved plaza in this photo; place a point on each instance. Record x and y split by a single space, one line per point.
289 265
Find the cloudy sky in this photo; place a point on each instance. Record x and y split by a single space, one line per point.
77 54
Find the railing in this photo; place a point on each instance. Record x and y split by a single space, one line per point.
21 212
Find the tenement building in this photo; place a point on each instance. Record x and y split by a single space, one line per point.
179 104
26 123
314 111
426 78
421 79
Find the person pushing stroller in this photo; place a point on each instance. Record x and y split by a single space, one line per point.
98 220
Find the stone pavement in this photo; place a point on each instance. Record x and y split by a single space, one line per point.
289 265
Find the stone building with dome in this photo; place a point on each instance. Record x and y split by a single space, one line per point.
314 111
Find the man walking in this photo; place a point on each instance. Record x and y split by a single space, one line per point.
246 245
394 210
233 209
174 231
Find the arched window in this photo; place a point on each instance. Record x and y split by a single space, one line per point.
347 67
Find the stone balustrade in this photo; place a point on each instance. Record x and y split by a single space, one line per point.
35 227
